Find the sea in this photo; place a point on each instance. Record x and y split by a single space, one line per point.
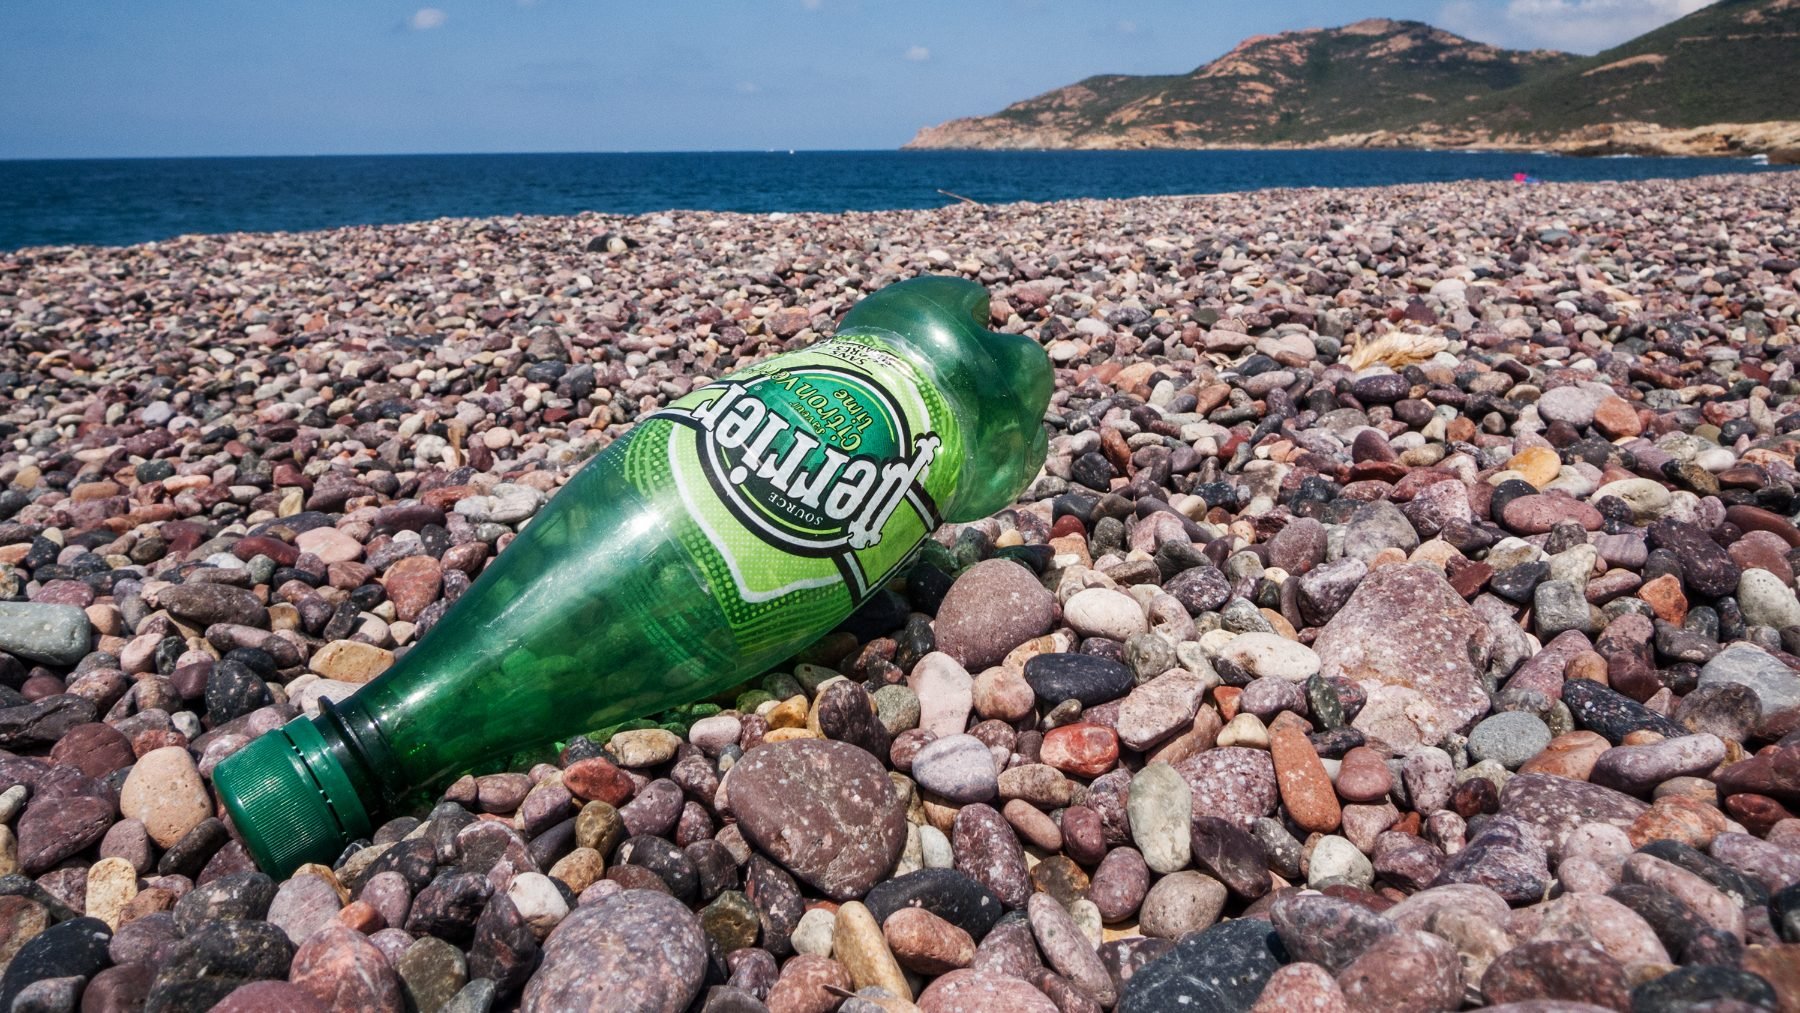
113 202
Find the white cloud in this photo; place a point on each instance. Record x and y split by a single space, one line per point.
918 54
748 87
1127 27
1582 26
426 18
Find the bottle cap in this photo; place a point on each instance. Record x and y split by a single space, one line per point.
290 799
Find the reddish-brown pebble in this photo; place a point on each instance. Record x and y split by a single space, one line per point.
1301 988
805 983
1665 598
596 779
1032 824
925 943
1363 776
1614 417
1083 749
1306 789
1571 755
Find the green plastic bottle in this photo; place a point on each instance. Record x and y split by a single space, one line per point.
721 536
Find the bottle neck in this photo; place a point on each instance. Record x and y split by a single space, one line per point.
354 740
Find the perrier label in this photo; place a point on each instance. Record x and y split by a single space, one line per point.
816 471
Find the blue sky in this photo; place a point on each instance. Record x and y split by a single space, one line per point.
97 78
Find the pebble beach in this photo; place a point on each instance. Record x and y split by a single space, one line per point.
1404 618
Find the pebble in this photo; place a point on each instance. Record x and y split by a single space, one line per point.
1406 630
1160 806
993 607
164 793
1336 860
973 991
1306 789
48 634
1266 654
340 967
1636 770
858 944
1068 951
1179 903
1100 612
958 767
826 810
923 942
1091 679
1509 739
946 694
987 852
638 949
1406 972
1222 968
1235 783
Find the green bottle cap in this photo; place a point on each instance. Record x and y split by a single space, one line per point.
290 799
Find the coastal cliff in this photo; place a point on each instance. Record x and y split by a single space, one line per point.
1721 81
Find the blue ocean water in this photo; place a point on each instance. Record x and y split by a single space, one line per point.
121 201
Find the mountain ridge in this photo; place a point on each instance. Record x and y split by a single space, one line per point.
1723 80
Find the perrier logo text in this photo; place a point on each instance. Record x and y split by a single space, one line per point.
814 459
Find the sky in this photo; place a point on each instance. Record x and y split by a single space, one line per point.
131 78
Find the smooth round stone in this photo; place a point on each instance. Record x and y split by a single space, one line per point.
1363 776
1687 987
993 607
1200 589
813 934
1180 903
164 792
1335 860
1160 806
976 991
713 734
1222 968
43 632
1085 749
1232 855
1233 783
342 968
1648 500
988 852
949 894
1766 600
1271 655
1119 884
1300 987
1509 738
923 942
1068 951
1405 972
74 948
1088 678
946 694
826 810
1327 931
1537 514
958 767
1103 612
639 950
